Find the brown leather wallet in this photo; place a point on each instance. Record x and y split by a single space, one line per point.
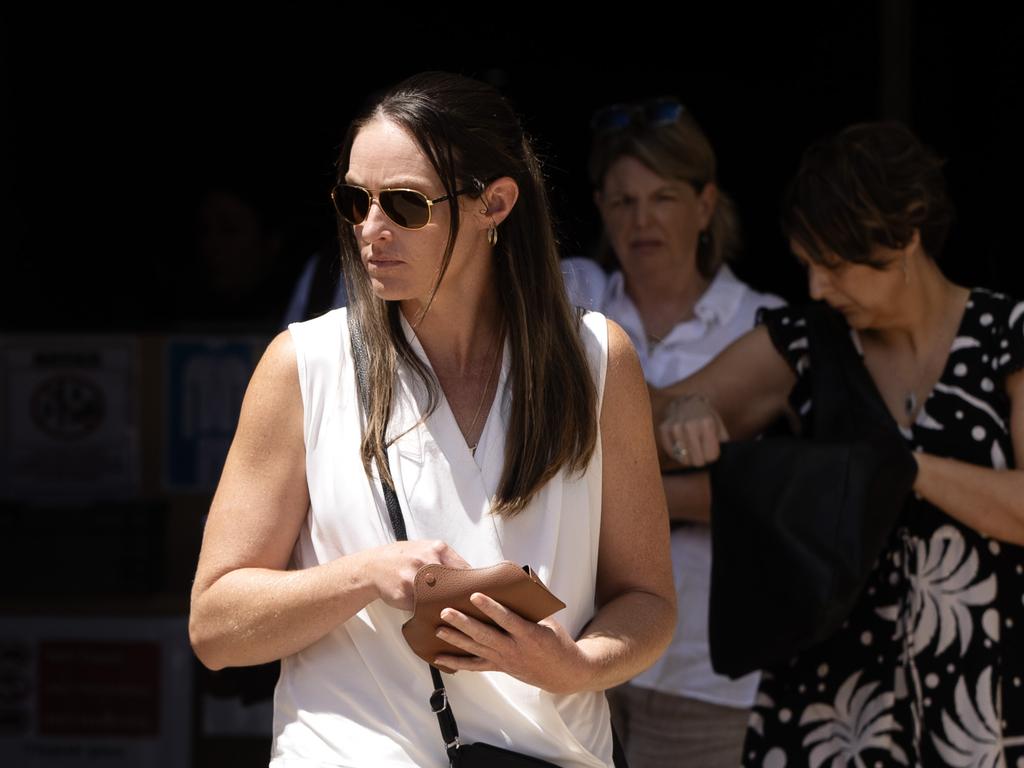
438 586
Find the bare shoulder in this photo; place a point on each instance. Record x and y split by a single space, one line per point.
278 366
624 387
622 356
274 387
271 417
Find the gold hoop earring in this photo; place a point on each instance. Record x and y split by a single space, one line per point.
492 234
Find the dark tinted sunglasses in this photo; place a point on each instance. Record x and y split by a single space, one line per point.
617 117
408 208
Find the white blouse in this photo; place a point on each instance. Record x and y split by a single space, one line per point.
359 696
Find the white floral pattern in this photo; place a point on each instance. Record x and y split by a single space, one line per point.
943 588
854 723
974 738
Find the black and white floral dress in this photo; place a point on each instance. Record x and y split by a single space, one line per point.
929 668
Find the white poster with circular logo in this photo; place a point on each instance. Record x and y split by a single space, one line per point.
69 427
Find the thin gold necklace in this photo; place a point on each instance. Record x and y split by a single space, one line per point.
653 340
487 386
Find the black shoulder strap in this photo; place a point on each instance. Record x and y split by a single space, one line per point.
355 335
439 698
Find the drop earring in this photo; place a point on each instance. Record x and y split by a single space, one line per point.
492 233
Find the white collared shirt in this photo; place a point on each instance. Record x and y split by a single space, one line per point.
724 312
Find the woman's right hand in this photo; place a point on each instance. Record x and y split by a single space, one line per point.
392 568
692 431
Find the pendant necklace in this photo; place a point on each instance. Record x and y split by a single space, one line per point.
483 394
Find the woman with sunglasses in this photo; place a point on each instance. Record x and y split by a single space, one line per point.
670 229
509 426
927 668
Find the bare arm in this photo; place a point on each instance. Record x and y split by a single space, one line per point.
635 617
989 500
746 388
635 591
246 608
747 383
688 496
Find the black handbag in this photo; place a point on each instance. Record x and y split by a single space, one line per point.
478 754
797 524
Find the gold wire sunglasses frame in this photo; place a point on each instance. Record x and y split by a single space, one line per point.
407 208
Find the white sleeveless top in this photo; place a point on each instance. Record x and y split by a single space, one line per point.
359 696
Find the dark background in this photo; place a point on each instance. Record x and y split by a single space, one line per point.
116 123
113 125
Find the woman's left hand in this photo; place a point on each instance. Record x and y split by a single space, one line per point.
541 654
692 431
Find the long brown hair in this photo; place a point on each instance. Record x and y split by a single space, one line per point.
471 135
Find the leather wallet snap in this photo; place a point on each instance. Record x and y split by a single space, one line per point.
437 587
